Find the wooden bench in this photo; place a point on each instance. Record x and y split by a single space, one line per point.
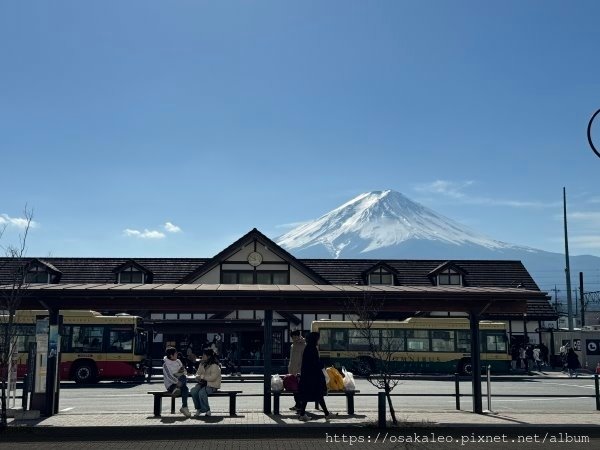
158 396
348 394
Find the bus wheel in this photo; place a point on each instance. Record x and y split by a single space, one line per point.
84 373
465 367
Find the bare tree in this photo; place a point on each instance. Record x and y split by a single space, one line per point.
379 366
13 288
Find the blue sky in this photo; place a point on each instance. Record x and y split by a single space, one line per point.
117 118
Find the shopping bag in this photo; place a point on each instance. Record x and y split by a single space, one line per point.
290 383
349 384
276 383
336 381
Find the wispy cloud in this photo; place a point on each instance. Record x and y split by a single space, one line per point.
146 234
590 217
444 187
291 224
457 191
172 228
16 222
586 241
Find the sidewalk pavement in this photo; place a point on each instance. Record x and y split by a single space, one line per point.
257 430
290 420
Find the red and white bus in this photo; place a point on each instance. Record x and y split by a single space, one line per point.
93 346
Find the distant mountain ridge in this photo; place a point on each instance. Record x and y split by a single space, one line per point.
388 225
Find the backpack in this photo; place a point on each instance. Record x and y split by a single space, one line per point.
336 381
290 383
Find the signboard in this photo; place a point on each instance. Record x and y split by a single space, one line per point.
42 329
577 344
592 346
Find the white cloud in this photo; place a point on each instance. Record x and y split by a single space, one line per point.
17 222
146 234
455 191
171 228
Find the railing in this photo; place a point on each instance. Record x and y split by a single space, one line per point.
382 397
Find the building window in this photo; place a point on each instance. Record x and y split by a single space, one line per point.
237 277
267 277
449 277
37 274
381 276
131 275
247 277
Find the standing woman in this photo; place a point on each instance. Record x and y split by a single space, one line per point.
312 386
209 380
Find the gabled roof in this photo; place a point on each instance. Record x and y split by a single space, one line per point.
383 265
131 263
447 265
253 235
39 262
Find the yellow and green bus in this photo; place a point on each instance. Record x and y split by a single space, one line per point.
415 345
93 346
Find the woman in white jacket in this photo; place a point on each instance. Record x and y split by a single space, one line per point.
209 380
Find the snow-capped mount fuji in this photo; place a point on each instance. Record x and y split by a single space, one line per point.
387 224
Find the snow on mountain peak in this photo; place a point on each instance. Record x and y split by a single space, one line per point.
380 219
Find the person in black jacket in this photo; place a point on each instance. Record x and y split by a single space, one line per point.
312 387
573 363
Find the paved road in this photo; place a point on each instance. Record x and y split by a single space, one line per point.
126 397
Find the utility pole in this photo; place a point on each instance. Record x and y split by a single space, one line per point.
567 268
582 299
556 291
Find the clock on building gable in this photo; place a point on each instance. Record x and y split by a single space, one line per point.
255 259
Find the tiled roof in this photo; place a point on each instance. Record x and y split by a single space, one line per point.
100 270
413 272
478 273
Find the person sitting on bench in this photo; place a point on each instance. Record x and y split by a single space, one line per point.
209 380
174 377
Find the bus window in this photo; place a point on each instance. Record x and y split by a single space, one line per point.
120 340
495 343
338 340
87 338
359 339
393 341
442 341
417 340
463 341
324 341
25 335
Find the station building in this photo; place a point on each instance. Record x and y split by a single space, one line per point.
253 261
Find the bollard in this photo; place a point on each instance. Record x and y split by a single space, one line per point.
457 390
25 395
597 392
489 387
381 409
